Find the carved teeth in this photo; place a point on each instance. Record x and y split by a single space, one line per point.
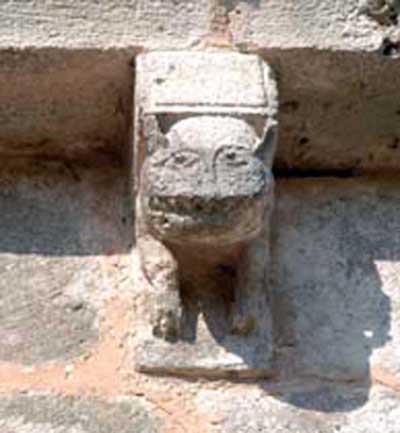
154 202
185 205
198 205
170 201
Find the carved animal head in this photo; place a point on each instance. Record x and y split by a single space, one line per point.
206 182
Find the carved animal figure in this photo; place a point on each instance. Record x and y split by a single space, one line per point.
204 198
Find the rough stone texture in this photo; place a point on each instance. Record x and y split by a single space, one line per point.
89 23
323 24
327 24
66 84
219 82
51 414
335 65
338 110
325 409
56 222
207 139
65 104
336 291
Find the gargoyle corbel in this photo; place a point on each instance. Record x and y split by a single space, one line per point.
206 193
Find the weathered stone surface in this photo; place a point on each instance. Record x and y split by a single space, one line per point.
205 140
327 24
328 409
50 414
338 111
56 223
65 104
323 24
336 290
91 23
334 61
77 105
225 83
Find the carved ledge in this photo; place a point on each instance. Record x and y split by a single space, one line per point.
204 145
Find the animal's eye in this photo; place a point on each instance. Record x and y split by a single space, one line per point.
184 158
231 155
235 157
175 159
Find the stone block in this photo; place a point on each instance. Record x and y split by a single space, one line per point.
199 82
322 24
65 104
329 409
336 255
51 414
339 111
57 223
77 105
89 23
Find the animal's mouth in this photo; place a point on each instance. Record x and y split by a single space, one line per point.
205 220
198 206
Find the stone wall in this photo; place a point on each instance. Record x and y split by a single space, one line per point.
69 270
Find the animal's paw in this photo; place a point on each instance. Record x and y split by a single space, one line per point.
167 324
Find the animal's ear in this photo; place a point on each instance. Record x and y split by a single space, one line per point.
174 139
266 145
153 136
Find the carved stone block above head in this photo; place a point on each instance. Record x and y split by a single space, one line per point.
205 139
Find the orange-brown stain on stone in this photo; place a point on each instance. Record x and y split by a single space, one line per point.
96 372
99 373
383 376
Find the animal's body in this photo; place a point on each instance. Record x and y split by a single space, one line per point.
204 202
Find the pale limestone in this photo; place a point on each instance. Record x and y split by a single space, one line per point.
308 409
54 414
336 254
55 234
89 23
205 140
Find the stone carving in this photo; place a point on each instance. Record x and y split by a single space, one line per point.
204 187
384 11
205 194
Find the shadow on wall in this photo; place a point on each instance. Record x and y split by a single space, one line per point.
56 223
331 304
57 209
330 308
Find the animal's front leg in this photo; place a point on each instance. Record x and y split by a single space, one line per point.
161 270
251 304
